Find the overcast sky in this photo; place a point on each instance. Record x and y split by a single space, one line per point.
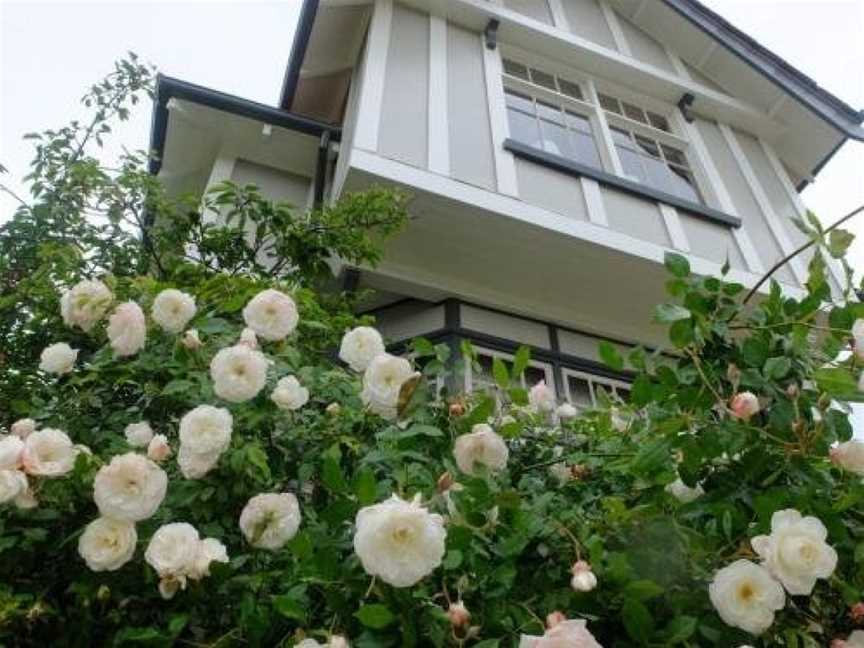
50 52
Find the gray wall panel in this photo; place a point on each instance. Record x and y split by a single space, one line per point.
551 190
712 241
635 217
645 48
273 183
536 9
586 19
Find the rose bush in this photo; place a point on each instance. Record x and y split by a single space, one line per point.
224 455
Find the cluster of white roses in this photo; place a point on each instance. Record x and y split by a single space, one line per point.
178 554
794 556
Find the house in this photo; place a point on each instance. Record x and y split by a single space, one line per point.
555 151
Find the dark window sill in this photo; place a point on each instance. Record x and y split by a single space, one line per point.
577 170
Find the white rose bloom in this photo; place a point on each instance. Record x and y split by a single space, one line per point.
335 642
290 394
173 550
858 337
796 553
195 465
158 448
541 397
13 485
191 340
22 428
382 383
11 451
85 304
138 435
849 456
482 447
107 544
130 487
172 310
683 493
58 359
238 373
127 330
584 579
569 633
49 453
399 541
271 314
746 596
856 639
566 411
269 520
206 429
248 338
209 550
360 346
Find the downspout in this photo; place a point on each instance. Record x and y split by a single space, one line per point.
321 169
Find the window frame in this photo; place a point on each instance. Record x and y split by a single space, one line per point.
593 381
546 367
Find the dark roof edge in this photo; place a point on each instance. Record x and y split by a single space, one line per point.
824 104
298 52
169 87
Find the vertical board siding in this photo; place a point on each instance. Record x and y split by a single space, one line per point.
471 158
745 204
644 48
551 190
712 241
536 9
405 107
586 19
636 217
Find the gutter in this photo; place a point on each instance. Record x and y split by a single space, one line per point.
298 52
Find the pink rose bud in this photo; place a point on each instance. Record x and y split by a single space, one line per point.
158 448
583 579
554 618
458 614
445 482
856 612
744 405
338 641
838 643
456 409
191 340
248 338
22 428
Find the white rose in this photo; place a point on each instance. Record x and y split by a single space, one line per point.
359 347
209 550
22 428
172 310
271 314
206 429
746 596
290 394
382 383
11 451
191 340
248 338
13 484
138 434
158 448
195 465
541 397
130 487
49 453
58 359
566 411
399 541
173 550
335 642
269 520
683 493
584 579
849 456
858 338
796 553
569 633
482 447
127 330
107 544
85 304
744 405
856 639
238 373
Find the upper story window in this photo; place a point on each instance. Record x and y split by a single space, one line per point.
631 111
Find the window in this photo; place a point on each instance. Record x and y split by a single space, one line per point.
582 389
543 79
636 113
482 379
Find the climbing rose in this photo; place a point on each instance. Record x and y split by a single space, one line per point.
131 487
744 405
458 614
158 448
205 433
335 642
191 340
399 541
290 394
238 373
482 447
85 304
684 493
849 456
746 596
270 520
178 553
248 338
58 359
796 553
541 397
107 544
584 580
48 453
858 338
566 411
382 384
127 330
564 634
360 346
23 428
138 434
855 640
13 485
172 310
271 314
11 452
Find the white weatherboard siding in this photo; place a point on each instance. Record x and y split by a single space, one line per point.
375 70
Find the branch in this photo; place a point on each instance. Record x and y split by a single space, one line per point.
795 253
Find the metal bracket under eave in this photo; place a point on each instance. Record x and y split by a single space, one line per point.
685 104
491 33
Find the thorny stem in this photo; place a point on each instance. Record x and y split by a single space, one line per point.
705 380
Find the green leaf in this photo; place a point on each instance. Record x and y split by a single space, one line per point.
452 560
366 487
678 265
375 616
680 629
643 590
839 241
682 333
610 355
290 607
668 313
500 373
331 473
835 381
777 368
521 360
638 621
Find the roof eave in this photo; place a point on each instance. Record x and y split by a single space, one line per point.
298 52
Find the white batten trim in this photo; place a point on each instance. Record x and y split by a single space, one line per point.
758 191
678 64
559 18
606 145
674 227
594 201
718 187
615 27
372 97
439 126
221 171
797 201
505 163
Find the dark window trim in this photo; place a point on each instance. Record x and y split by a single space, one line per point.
578 170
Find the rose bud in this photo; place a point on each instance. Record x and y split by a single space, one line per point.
554 618
583 579
333 409
744 405
458 614
457 409
856 612
445 482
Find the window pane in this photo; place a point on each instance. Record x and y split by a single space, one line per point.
674 156
570 89
648 146
534 375
610 103
523 128
635 112
580 391
550 112
519 101
632 163
586 149
515 69
542 79
658 121
556 139
578 122
659 175
683 184
621 137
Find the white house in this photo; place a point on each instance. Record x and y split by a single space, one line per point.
555 150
